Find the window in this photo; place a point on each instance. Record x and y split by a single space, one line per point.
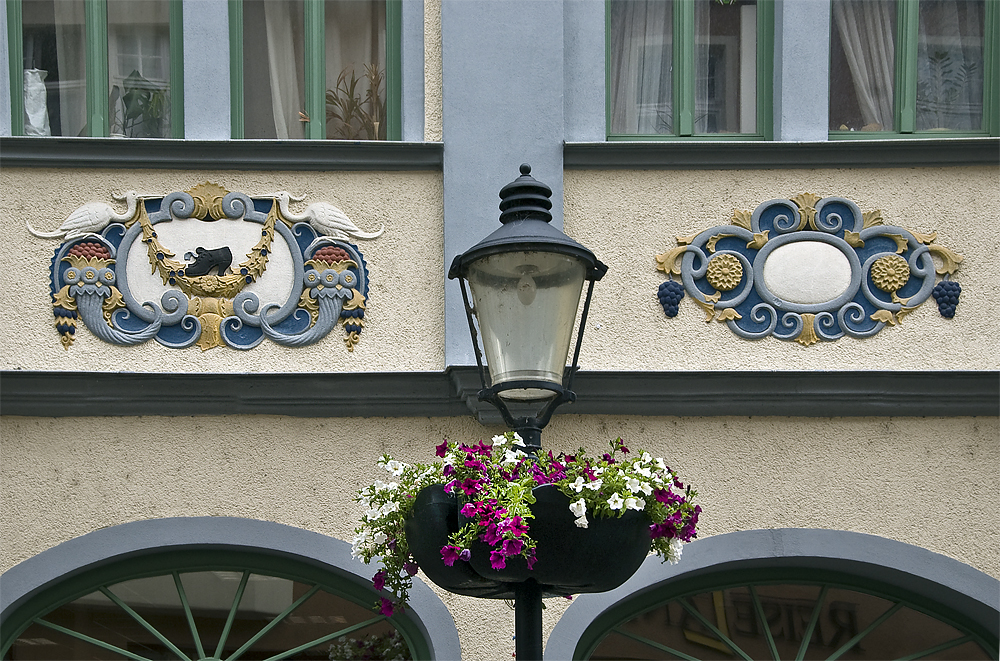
316 70
683 68
96 68
913 67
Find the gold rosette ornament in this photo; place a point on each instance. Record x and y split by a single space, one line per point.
724 272
890 273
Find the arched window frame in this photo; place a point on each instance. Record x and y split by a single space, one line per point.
948 589
157 546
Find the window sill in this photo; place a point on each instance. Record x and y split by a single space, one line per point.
757 155
220 154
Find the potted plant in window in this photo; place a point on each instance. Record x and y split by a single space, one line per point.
488 516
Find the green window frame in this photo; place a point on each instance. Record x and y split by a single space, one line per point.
905 97
683 79
714 635
174 563
96 56
315 68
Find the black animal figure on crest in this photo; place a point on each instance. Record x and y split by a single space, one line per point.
206 260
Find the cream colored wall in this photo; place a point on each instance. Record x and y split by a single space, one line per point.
406 265
433 95
628 217
932 482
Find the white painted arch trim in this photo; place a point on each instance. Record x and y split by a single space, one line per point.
941 579
104 546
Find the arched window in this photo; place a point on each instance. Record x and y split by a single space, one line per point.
790 594
293 594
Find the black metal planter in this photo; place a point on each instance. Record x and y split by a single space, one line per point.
569 559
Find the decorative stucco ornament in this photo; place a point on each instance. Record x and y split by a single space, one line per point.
808 269
248 271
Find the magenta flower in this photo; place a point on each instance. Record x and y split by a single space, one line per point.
512 547
449 554
497 560
386 607
465 555
378 580
441 450
410 568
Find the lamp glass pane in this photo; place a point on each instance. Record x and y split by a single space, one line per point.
526 304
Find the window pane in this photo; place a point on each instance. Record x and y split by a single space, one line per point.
139 68
725 67
273 69
355 69
55 91
862 67
641 58
950 65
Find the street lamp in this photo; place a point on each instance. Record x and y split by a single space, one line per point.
526 280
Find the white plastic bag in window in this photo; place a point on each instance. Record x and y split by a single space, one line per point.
36 114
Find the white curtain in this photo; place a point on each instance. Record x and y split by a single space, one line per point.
71 63
866 29
283 23
355 39
641 57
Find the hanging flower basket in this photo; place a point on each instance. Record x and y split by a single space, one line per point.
490 516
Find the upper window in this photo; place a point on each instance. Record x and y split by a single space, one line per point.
315 69
910 67
96 68
680 68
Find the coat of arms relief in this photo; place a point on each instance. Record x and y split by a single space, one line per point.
209 267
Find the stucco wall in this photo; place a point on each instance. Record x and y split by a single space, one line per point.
932 482
628 217
406 266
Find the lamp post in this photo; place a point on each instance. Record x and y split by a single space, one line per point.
526 280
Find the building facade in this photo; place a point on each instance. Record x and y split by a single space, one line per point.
196 464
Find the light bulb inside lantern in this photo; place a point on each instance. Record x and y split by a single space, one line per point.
526 287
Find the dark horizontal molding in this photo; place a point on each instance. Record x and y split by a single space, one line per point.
453 393
749 155
159 154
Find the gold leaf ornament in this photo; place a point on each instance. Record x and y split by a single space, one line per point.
742 218
667 262
949 258
871 218
808 335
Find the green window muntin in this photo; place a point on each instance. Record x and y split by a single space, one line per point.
104 103
905 83
317 85
682 113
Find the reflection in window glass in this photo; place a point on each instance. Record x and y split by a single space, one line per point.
777 621
210 614
55 90
139 68
725 67
950 65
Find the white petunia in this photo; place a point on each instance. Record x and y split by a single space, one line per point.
615 502
379 537
676 548
582 522
512 456
660 465
595 485
632 484
632 504
577 485
395 467
518 440
390 507
578 508
646 457
499 440
599 470
645 488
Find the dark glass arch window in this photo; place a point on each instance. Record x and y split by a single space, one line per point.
795 618
206 605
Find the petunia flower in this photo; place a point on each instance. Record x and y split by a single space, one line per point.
449 554
578 508
499 440
581 522
378 580
577 484
386 607
615 502
497 560
441 450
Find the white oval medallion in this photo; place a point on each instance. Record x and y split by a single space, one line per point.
807 272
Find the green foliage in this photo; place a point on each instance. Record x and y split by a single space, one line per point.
353 116
138 108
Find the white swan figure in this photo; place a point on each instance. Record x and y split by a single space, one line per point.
324 218
91 218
